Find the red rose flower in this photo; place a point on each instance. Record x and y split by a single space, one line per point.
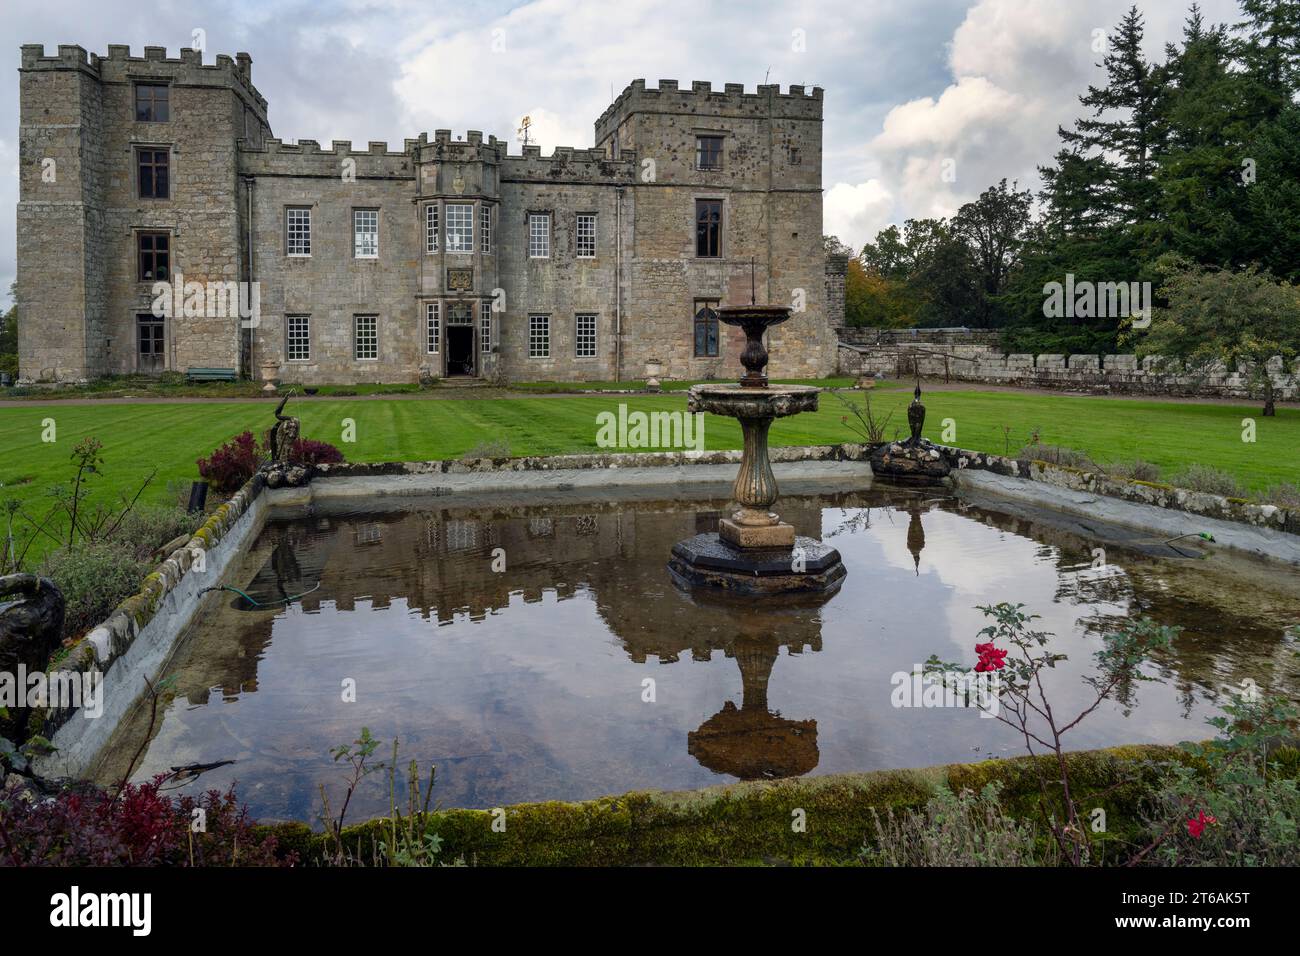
1196 825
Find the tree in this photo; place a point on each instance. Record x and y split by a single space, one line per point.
1124 129
1271 233
876 302
834 246
1238 319
1269 52
9 335
922 274
994 228
1206 170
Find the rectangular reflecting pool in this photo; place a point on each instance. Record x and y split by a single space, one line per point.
543 653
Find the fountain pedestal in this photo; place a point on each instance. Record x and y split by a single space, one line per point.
754 551
754 525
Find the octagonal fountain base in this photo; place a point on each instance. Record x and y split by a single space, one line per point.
706 560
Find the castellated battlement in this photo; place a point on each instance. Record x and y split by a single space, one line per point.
120 66
566 164
732 101
306 158
563 164
473 148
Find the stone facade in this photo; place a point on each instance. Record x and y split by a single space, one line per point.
594 306
975 356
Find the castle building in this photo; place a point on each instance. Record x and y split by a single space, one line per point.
162 227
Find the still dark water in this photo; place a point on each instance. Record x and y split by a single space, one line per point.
529 683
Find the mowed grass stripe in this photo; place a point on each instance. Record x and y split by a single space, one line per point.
173 436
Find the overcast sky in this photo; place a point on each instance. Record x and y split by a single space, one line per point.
913 87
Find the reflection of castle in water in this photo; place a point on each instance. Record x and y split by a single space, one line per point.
439 562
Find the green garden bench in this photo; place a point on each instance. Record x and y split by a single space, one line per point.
211 374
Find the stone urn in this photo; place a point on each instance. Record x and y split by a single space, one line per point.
270 372
653 369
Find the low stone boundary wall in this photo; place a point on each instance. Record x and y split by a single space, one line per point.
564 473
977 357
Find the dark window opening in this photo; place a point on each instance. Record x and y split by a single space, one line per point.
708 228
154 256
153 165
708 152
152 103
706 328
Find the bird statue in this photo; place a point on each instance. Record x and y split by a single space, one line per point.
916 416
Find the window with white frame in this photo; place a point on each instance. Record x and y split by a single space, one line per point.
539 235
298 338
485 327
584 335
431 227
485 228
365 233
297 231
539 336
365 337
586 235
433 323
460 228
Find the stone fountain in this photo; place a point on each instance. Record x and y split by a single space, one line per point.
754 551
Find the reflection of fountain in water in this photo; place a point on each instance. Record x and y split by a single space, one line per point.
751 742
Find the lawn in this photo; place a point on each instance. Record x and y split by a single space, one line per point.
171 436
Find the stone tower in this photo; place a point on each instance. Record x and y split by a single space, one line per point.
758 155
90 129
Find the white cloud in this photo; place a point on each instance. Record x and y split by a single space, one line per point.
1016 71
856 213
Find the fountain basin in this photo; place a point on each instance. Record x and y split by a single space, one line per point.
743 401
754 551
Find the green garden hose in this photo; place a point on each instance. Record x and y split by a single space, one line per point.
256 603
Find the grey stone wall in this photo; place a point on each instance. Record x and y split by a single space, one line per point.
332 285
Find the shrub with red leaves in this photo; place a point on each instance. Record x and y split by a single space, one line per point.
234 463
306 451
141 827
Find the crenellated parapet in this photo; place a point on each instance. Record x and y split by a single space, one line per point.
306 158
701 98
119 66
473 148
568 165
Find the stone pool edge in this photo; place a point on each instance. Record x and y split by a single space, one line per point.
135 641
137 638
751 822
1266 531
